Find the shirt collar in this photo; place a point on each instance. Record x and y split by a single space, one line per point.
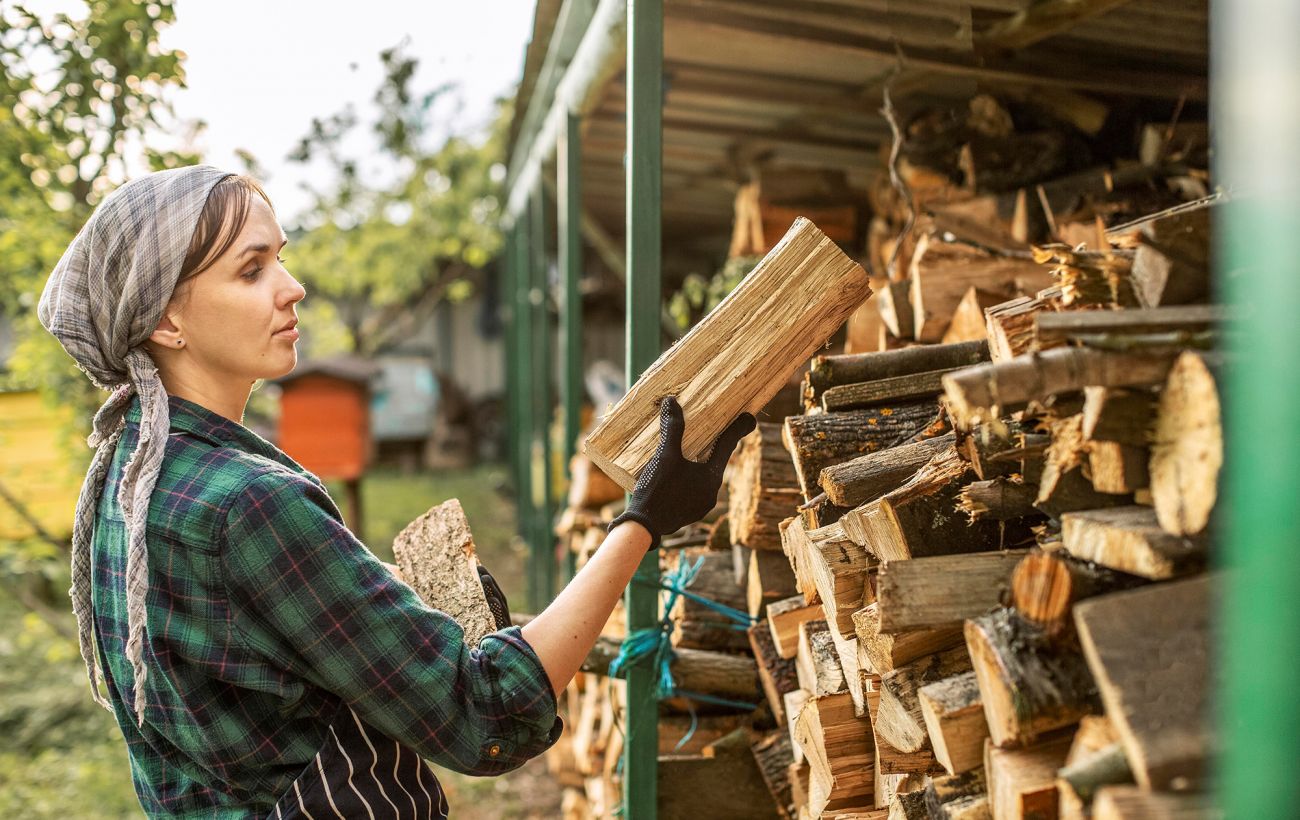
187 417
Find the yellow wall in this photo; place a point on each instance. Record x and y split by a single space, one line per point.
36 465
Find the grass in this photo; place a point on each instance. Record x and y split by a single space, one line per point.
63 756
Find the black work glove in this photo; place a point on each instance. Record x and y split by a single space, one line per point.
496 599
672 490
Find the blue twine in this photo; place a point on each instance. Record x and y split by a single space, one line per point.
655 643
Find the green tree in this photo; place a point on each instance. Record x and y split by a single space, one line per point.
381 257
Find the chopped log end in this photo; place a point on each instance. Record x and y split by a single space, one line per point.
1187 451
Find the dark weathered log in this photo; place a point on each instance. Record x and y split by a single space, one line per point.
1029 683
908 806
991 448
871 476
774 755
1063 486
1056 328
998 499
954 719
783 619
777 674
1046 585
1187 446
435 553
832 371
1130 539
1142 645
1172 265
944 590
958 797
980 393
688 783
919 518
762 489
900 721
884 391
770 579
818 441
886 651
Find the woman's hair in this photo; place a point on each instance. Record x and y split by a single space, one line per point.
220 222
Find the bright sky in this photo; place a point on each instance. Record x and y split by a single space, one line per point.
260 70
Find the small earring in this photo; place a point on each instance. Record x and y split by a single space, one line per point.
180 342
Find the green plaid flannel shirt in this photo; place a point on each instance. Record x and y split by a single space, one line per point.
266 617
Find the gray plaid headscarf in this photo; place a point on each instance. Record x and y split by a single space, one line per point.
103 300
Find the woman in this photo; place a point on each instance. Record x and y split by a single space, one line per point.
258 658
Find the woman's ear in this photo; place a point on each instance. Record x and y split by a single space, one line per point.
168 335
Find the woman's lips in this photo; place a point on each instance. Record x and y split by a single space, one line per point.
291 334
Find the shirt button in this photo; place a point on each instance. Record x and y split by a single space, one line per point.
494 750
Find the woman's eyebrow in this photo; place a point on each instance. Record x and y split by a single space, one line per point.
261 247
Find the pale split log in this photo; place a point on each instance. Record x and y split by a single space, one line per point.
1118 469
794 702
762 489
1141 645
1187 446
792 538
817 663
1046 585
590 488
886 651
847 651
769 578
435 553
739 356
1133 803
837 744
943 591
1119 415
979 393
831 371
783 620
959 796
838 568
819 441
888 787
900 721
1130 539
868 477
1022 782
1011 325
896 310
777 675
1029 683
891 762
968 323
954 720
920 518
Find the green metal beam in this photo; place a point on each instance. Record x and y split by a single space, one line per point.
1256 47
508 289
569 212
542 552
523 388
645 54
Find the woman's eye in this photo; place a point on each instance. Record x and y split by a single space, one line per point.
252 274
280 259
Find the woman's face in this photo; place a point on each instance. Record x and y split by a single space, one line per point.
233 316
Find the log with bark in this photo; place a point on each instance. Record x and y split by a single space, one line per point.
817 664
435 553
777 675
998 499
739 356
773 754
762 489
891 762
942 591
1030 683
868 477
1142 645
900 721
826 372
1046 585
1188 321
958 797
1130 540
697 625
1063 485
819 441
886 651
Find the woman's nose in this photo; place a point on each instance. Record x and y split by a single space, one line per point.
295 292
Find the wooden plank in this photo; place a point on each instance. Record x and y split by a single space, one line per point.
943 590
738 357
1142 646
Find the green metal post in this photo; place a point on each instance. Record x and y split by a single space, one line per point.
524 388
1257 156
569 211
645 51
509 279
543 553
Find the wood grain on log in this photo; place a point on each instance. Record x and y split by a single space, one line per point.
837 745
1130 539
1046 585
868 477
838 568
900 721
762 489
979 393
738 356
1022 782
435 553
817 664
968 323
783 620
792 538
884 391
769 579
1011 325
831 371
1029 683
959 796
1187 447
819 441
1141 645
777 675
944 590
954 720
886 651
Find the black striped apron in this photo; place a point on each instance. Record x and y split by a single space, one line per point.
361 773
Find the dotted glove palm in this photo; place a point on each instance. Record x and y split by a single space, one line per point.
496 599
674 491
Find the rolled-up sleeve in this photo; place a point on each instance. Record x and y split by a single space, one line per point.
304 590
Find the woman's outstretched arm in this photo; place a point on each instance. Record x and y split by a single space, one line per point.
671 492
